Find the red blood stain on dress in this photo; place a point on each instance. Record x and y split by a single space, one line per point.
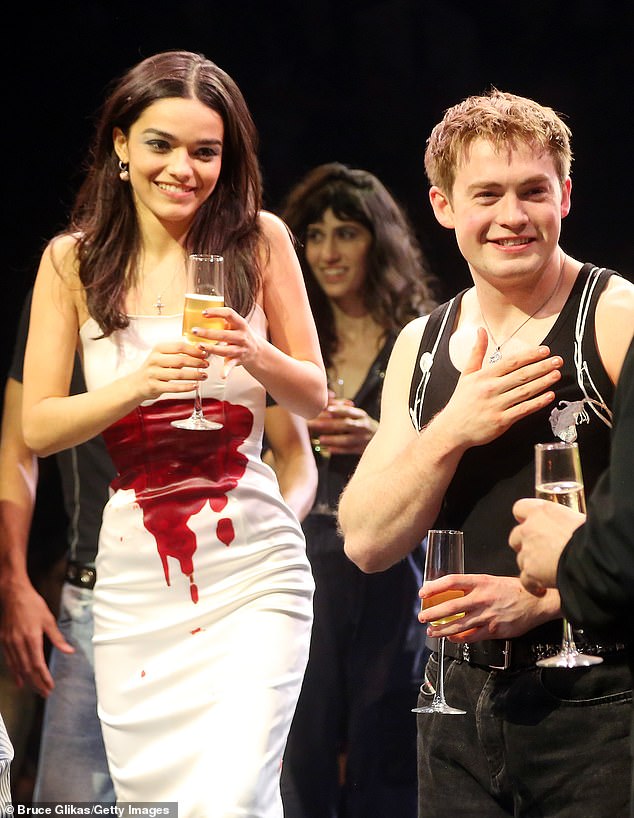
174 472
225 531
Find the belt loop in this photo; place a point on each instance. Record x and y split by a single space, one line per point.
506 652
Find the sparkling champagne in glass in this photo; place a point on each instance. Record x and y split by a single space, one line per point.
445 555
558 478
205 289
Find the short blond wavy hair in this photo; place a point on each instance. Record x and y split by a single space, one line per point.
503 119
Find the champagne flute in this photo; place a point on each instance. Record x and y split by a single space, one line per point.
205 289
445 555
322 502
558 478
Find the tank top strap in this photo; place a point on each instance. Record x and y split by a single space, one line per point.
439 322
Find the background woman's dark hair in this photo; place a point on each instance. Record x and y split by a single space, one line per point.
104 216
399 284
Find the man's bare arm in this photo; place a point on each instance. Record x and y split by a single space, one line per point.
395 494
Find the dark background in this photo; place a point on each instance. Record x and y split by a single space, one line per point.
357 81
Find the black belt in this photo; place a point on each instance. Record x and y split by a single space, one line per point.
514 654
81 574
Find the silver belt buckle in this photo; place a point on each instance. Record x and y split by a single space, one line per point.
506 650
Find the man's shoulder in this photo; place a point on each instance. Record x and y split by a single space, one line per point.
618 295
615 323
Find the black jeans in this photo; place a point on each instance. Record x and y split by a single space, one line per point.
536 743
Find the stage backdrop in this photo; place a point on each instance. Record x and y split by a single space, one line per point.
350 80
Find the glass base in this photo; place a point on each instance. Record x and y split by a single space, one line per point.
197 424
439 707
569 659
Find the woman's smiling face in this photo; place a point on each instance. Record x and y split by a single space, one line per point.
174 153
337 253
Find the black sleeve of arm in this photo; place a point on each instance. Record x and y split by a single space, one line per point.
596 570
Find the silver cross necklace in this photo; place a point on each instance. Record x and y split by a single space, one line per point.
496 355
158 305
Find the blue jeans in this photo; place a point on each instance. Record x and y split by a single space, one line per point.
72 762
536 743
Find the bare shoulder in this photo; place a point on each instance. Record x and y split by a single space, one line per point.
276 245
273 228
61 252
401 366
57 283
396 430
408 340
615 323
618 287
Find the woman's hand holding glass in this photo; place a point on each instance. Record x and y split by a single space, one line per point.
342 427
205 288
171 367
235 342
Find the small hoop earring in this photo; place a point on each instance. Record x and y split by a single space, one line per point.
124 173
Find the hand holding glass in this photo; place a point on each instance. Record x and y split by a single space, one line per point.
322 501
445 555
205 289
558 478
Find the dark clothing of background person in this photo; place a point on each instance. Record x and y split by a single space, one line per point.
360 682
595 576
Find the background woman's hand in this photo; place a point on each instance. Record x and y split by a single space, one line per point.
342 427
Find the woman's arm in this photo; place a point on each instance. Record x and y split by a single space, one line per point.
289 366
52 419
292 458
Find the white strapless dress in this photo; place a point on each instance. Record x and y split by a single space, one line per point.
203 601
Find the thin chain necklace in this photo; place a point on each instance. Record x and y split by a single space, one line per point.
158 305
496 355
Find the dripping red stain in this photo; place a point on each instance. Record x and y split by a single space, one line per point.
225 531
174 472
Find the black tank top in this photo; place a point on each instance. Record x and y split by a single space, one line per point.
490 478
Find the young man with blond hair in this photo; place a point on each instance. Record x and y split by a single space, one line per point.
531 352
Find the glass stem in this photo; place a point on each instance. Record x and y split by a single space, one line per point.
322 502
198 405
440 683
568 645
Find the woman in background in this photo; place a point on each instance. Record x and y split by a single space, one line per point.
352 746
202 604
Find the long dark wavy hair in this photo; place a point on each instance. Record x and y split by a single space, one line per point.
399 283
104 216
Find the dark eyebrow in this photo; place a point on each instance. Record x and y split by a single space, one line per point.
491 185
169 136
